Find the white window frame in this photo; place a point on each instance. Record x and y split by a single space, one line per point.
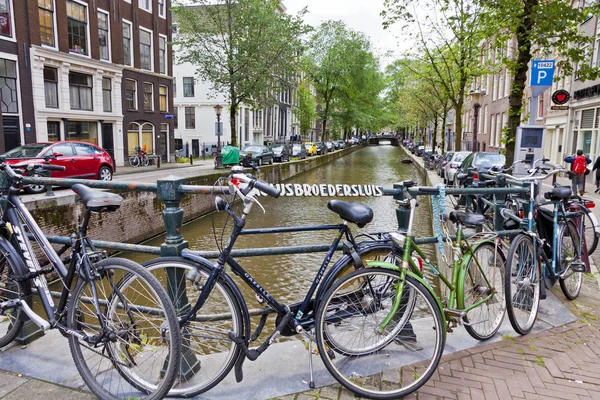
88 23
164 11
167 109
142 8
166 53
13 35
99 10
151 32
152 100
131 47
54 26
135 98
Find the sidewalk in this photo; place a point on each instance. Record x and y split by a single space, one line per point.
127 170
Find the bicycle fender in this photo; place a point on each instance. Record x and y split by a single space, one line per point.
422 281
7 248
595 222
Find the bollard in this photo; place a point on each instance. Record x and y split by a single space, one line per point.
191 159
158 161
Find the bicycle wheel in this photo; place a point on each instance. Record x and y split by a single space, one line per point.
208 352
134 161
11 317
386 365
484 277
523 278
591 237
139 350
145 160
569 251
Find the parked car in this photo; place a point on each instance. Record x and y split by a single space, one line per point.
481 162
258 154
281 152
321 149
311 148
336 144
329 146
453 165
443 162
341 144
299 151
81 160
420 150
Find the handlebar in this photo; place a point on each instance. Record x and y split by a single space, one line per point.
531 177
266 188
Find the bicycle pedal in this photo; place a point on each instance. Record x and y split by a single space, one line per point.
578 267
454 313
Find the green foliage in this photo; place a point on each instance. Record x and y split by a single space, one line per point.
306 112
245 49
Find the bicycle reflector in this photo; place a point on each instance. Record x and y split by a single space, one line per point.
418 261
589 204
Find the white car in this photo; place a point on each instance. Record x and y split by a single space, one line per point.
452 166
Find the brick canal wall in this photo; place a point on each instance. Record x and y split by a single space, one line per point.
140 215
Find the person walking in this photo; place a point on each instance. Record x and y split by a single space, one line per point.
579 164
597 169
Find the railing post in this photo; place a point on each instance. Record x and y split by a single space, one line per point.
402 213
500 204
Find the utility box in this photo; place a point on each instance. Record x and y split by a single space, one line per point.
529 145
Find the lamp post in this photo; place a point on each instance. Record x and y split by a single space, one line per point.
218 158
476 96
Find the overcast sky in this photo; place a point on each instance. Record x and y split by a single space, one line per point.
360 15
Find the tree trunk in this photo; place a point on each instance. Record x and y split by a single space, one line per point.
435 129
232 123
515 99
458 123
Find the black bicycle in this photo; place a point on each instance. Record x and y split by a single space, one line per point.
122 329
214 315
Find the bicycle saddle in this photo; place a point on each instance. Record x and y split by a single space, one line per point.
352 212
97 201
460 217
561 192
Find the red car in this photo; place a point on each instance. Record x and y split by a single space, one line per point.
80 159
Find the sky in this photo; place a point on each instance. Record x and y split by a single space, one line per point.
360 15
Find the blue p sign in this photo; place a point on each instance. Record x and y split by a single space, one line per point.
542 72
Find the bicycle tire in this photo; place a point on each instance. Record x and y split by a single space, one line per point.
134 161
219 356
591 237
12 318
523 295
143 358
145 160
388 367
475 289
568 243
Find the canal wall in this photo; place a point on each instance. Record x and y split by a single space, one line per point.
140 215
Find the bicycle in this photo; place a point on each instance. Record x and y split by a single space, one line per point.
214 315
557 245
121 327
139 157
379 305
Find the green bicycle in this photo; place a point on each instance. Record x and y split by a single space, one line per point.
391 315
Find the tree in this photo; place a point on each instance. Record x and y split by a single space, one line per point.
306 112
539 26
246 49
448 38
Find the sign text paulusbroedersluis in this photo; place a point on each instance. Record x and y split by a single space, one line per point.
328 190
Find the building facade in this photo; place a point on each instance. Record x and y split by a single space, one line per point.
96 71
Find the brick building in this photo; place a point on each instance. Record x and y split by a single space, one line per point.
96 70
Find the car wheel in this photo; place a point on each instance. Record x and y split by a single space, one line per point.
271 161
259 162
105 173
35 189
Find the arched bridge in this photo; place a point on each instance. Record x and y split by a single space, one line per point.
376 140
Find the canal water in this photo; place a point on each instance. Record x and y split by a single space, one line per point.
288 277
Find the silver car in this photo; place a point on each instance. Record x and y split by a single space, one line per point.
452 166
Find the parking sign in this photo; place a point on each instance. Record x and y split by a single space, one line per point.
542 72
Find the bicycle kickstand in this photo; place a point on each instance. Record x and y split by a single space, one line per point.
311 384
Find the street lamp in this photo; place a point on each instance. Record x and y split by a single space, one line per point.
218 158
476 96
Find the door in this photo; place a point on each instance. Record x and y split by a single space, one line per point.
162 142
195 148
12 137
65 157
108 143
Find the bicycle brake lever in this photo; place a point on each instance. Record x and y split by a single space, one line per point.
254 200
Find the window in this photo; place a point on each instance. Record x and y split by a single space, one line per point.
46 10
161 8
51 87
127 55
163 97
103 36
148 96
145 50
145 5
162 54
107 94
5 19
8 86
174 88
77 27
80 89
188 87
83 131
53 131
540 108
597 63
131 94
64 148
190 118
